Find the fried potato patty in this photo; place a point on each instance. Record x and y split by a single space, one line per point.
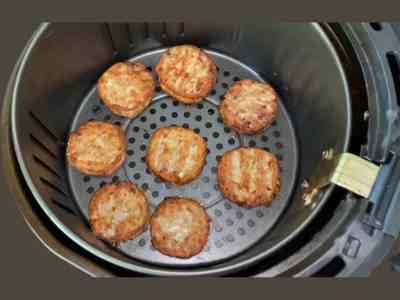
186 73
249 177
179 227
97 148
118 212
126 88
176 154
249 106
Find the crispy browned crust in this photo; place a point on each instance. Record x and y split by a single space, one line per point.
126 88
249 177
97 148
118 212
186 73
176 154
179 227
249 106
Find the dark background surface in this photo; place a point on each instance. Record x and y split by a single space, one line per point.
28 268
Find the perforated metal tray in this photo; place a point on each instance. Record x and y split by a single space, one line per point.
234 229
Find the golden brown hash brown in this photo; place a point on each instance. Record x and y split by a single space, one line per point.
186 73
97 148
126 88
179 227
118 212
176 154
249 106
249 176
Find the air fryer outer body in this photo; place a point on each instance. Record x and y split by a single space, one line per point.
345 235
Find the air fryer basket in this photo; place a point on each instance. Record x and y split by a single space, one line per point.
234 229
54 93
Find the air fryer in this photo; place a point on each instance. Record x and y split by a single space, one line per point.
338 93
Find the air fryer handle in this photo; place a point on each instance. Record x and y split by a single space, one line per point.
383 218
370 238
384 199
384 214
